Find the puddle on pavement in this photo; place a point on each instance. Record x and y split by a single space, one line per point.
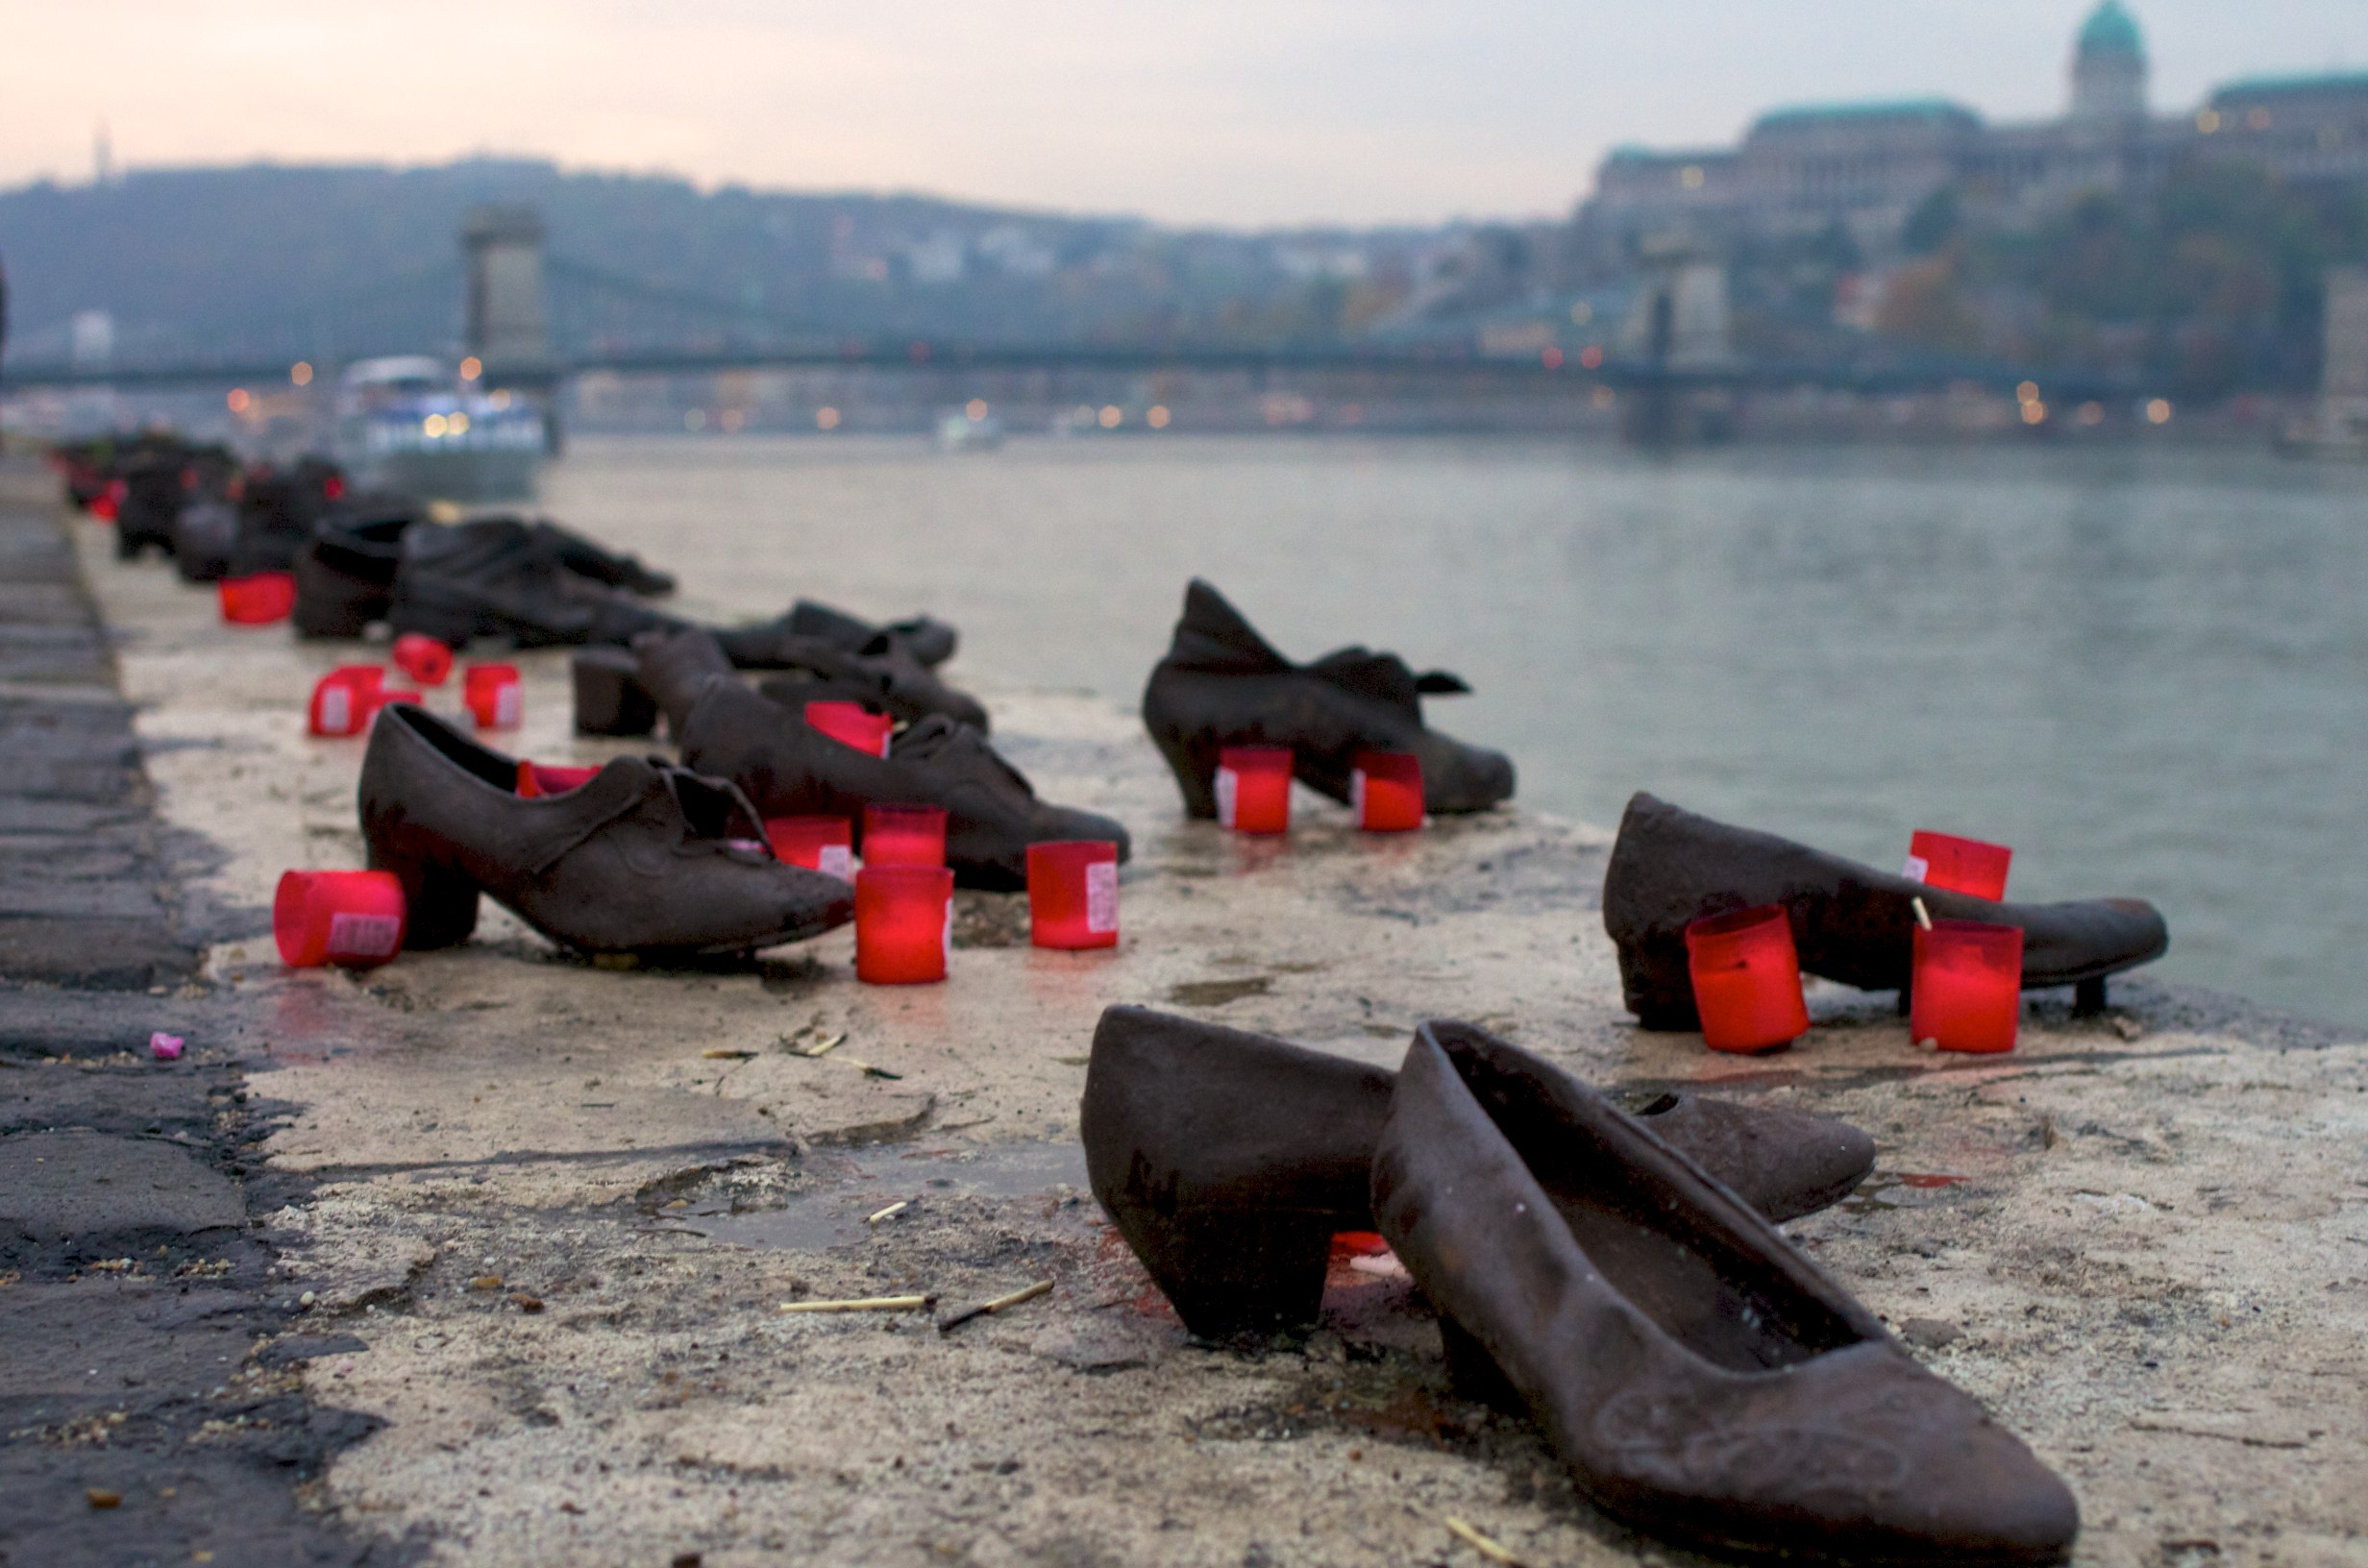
843 1187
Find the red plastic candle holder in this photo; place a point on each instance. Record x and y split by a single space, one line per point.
818 843
109 502
903 835
425 659
1386 790
1072 893
1966 993
344 700
492 695
1253 787
903 923
258 601
1957 865
538 779
1746 979
352 919
853 723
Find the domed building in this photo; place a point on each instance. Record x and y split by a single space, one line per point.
1868 167
2109 68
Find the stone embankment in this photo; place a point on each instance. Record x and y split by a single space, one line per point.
540 1218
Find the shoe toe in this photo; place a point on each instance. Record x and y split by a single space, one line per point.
1054 824
1460 779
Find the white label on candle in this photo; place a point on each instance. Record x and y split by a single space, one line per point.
363 936
837 860
1916 869
1228 790
1102 896
1356 792
506 706
944 938
337 710
885 736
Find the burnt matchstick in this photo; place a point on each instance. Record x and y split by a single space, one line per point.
1028 1292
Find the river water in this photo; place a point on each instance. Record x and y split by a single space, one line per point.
2145 670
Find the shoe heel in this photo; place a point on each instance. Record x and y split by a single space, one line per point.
440 903
1473 1373
609 699
1199 785
1232 1272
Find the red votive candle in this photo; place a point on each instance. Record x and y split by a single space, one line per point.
258 601
349 919
492 695
903 923
109 502
852 723
537 779
1746 979
425 659
1967 990
1386 789
344 700
818 843
1957 865
904 836
1253 787
1072 893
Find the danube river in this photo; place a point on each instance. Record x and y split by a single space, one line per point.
2146 671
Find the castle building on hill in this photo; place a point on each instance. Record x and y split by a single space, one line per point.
1868 167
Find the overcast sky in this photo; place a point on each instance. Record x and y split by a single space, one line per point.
1230 111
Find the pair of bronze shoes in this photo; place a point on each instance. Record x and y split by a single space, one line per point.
1619 1272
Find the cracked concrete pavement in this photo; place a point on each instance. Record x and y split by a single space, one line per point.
551 1210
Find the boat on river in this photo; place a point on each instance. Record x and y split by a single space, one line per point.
407 423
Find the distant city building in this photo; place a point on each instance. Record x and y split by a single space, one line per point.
1868 167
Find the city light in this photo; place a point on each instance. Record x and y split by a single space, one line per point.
472 368
731 420
2258 118
500 400
2158 410
238 400
1690 177
1582 313
825 419
975 408
1111 415
2027 392
2035 412
456 423
2092 413
695 419
432 425
2208 121
1592 356
300 372
1551 357
1157 416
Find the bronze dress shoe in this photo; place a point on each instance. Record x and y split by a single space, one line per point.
1229 1161
643 858
1850 922
928 639
1222 684
1704 1380
790 769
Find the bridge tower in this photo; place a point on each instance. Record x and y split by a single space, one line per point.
1679 330
506 328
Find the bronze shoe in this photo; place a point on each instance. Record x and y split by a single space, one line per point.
1704 1380
644 858
1850 922
790 769
1222 684
1229 1160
